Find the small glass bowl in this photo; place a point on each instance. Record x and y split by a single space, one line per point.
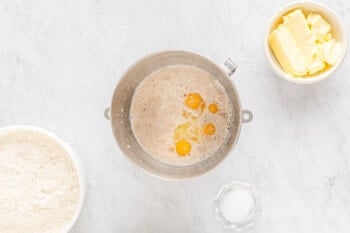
251 219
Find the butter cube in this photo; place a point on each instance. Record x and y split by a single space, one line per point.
318 25
287 51
306 40
316 65
332 51
296 23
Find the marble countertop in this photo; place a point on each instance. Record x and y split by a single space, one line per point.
60 62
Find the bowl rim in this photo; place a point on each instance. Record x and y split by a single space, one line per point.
269 54
74 157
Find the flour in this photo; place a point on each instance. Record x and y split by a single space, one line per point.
39 185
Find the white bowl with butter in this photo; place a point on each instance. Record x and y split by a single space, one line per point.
305 42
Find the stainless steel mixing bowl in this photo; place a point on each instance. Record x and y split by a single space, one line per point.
119 112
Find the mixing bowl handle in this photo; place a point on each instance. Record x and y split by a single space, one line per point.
247 116
107 113
229 67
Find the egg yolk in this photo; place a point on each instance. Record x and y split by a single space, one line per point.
208 129
183 147
213 108
193 101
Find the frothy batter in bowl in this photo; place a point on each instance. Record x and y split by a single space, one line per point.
180 115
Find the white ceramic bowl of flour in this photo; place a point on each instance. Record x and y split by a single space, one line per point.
74 160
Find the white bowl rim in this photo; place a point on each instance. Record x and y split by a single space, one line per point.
73 155
276 67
